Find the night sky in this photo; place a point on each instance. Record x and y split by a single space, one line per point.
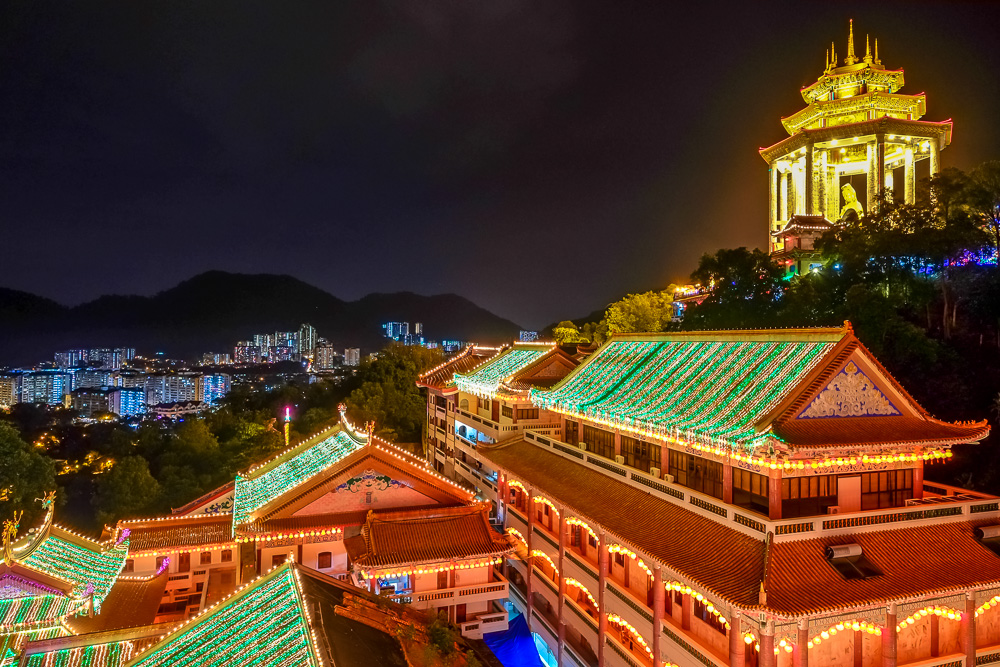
539 157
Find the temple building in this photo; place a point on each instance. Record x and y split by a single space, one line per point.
746 498
857 127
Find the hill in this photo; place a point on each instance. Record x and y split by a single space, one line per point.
213 310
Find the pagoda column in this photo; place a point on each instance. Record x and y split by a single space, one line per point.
918 480
876 175
889 636
800 657
808 206
602 576
618 443
967 633
870 153
935 157
820 183
910 177
562 584
783 195
772 178
529 562
774 494
766 655
727 483
737 647
657 615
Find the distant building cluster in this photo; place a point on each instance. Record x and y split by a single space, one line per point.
277 346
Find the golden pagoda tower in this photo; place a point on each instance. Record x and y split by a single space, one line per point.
856 123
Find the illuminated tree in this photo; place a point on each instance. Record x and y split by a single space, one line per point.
24 476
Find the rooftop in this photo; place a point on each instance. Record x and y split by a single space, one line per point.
486 378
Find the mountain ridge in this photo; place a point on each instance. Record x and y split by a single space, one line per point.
211 311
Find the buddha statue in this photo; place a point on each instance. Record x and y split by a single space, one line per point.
852 210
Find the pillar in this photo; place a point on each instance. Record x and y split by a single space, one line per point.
807 203
889 636
657 615
737 647
530 569
766 656
870 171
783 196
967 635
910 177
618 443
772 179
727 484
878 163
562 584
820 183
859 652
800 658
774 494
935 157
935 636
687 610
602 577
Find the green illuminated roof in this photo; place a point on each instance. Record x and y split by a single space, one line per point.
112 654
486 379
64 556
263 624
715 385
292 468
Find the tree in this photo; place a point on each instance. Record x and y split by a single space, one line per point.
744 290
983 197
636 313
127 490
24 476
566 332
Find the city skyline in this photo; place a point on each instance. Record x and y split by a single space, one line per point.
635 122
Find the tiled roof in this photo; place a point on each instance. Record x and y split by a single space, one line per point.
885 431
131 603
722 560
263 624
214 493
715 384
178 533
463 362
914 561
292 468
79 560
486 378
533 375
397 538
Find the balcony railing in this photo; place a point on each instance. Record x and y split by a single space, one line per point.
492 622
494 590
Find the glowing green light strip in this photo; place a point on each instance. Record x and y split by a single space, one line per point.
79 564
485 380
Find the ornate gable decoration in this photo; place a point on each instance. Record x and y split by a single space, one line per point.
850 393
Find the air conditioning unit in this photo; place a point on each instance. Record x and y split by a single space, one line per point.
655 472
833 509
620 460
582 446
668 478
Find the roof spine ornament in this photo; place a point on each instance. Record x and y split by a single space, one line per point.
851 58
868 50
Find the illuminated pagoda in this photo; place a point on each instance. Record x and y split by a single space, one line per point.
857 125
746 498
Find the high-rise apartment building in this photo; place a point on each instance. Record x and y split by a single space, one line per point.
396 330
418 328
127 402
247 352
214 386
129 379
8 390
90 401
71 358
326 356
47 387
307 340
110 359
171 388
216 359
352 356
91 377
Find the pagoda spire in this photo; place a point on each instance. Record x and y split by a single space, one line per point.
877 61
851 58
868 50
833 55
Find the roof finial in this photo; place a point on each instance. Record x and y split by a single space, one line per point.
877 61
851 58
833 55
868 50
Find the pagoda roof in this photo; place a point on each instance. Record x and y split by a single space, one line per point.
132 602
80 561
793 388
811 224
939 131
296 465
111 648
542 373
485 379
389 539
264 623
441 377
220 495
166 534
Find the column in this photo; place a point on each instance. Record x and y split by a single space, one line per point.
800 658
737 647
889 636
820 183
870 154
879 164
859 652
967 634
772 179
910 177
783 196
530 568
618 443
602 576
935 636
935 157
774 494
766 656
808 204
727 484
687 609
657 615
562 583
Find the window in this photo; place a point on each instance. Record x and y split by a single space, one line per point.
159 562
184 562
527 413
278 559
620 559
592 541
507 411
227 555
442 579
206 558
807 496
891 488
129 565
599 442
640 455
325 560
696 473
572 432
700 610
750 490
574 535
